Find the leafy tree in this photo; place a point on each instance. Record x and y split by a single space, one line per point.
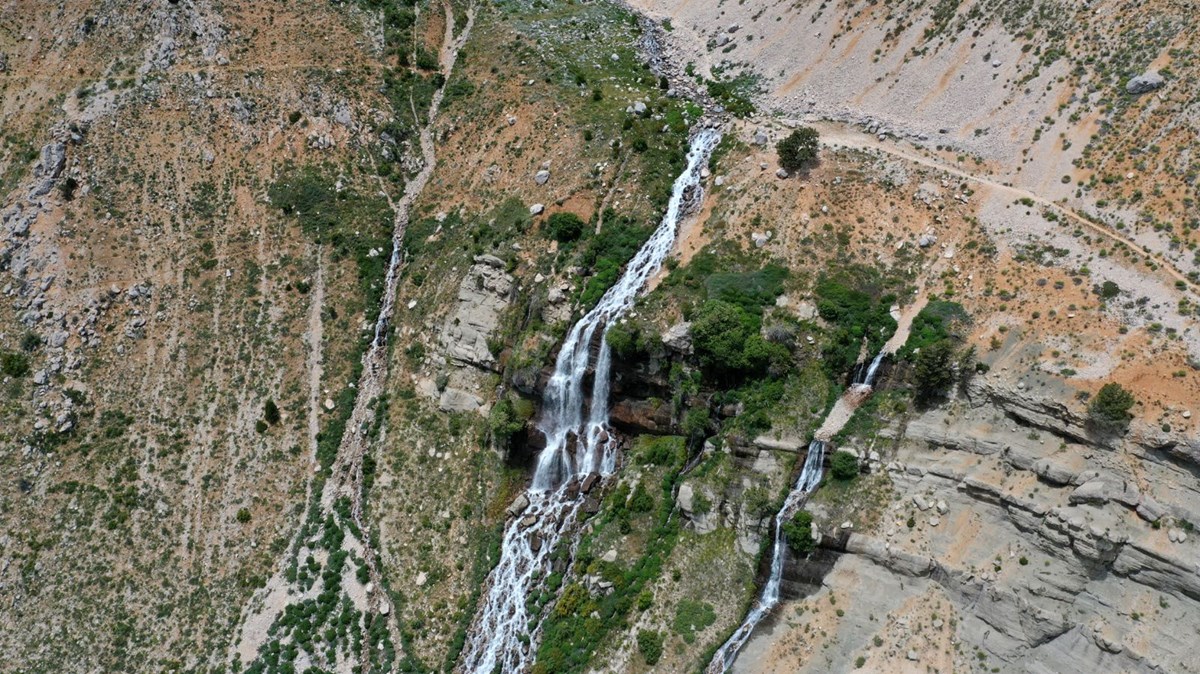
798 532
799 148
933 370
843 465
719 333
271 412
565 227
505 420
1109 409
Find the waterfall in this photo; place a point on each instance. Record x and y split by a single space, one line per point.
866 377
810 477
575 447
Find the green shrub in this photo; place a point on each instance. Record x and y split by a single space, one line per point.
727 340
14 364
1109 409
798 148
691 617
243 515
856 315
565 227
935 322
749 290
798 532
843 465
650 645
645 600
641 501
505 421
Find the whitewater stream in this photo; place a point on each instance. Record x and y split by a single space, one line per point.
810 477
578 445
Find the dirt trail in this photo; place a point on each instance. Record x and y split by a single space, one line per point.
316 337
838 135
346 477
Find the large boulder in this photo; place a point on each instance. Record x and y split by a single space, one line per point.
679 338
454 400
1145 83
49 166
484 293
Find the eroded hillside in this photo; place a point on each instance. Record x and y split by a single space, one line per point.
285 284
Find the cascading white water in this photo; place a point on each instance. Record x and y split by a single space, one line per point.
867 377
502 635
810 477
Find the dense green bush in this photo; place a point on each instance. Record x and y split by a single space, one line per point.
798 532
856 315
507 419
632 339
798 148
1109 410
938 320
843 465
650 645
749 290
565 227
607 252
14 364
720 331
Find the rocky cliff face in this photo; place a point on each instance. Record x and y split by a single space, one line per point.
1043 551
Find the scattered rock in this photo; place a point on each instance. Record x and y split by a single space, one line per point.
541 177
537 209
926 240
589 482
519 505
781 173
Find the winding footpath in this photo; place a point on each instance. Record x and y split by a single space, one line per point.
346 476
839 136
